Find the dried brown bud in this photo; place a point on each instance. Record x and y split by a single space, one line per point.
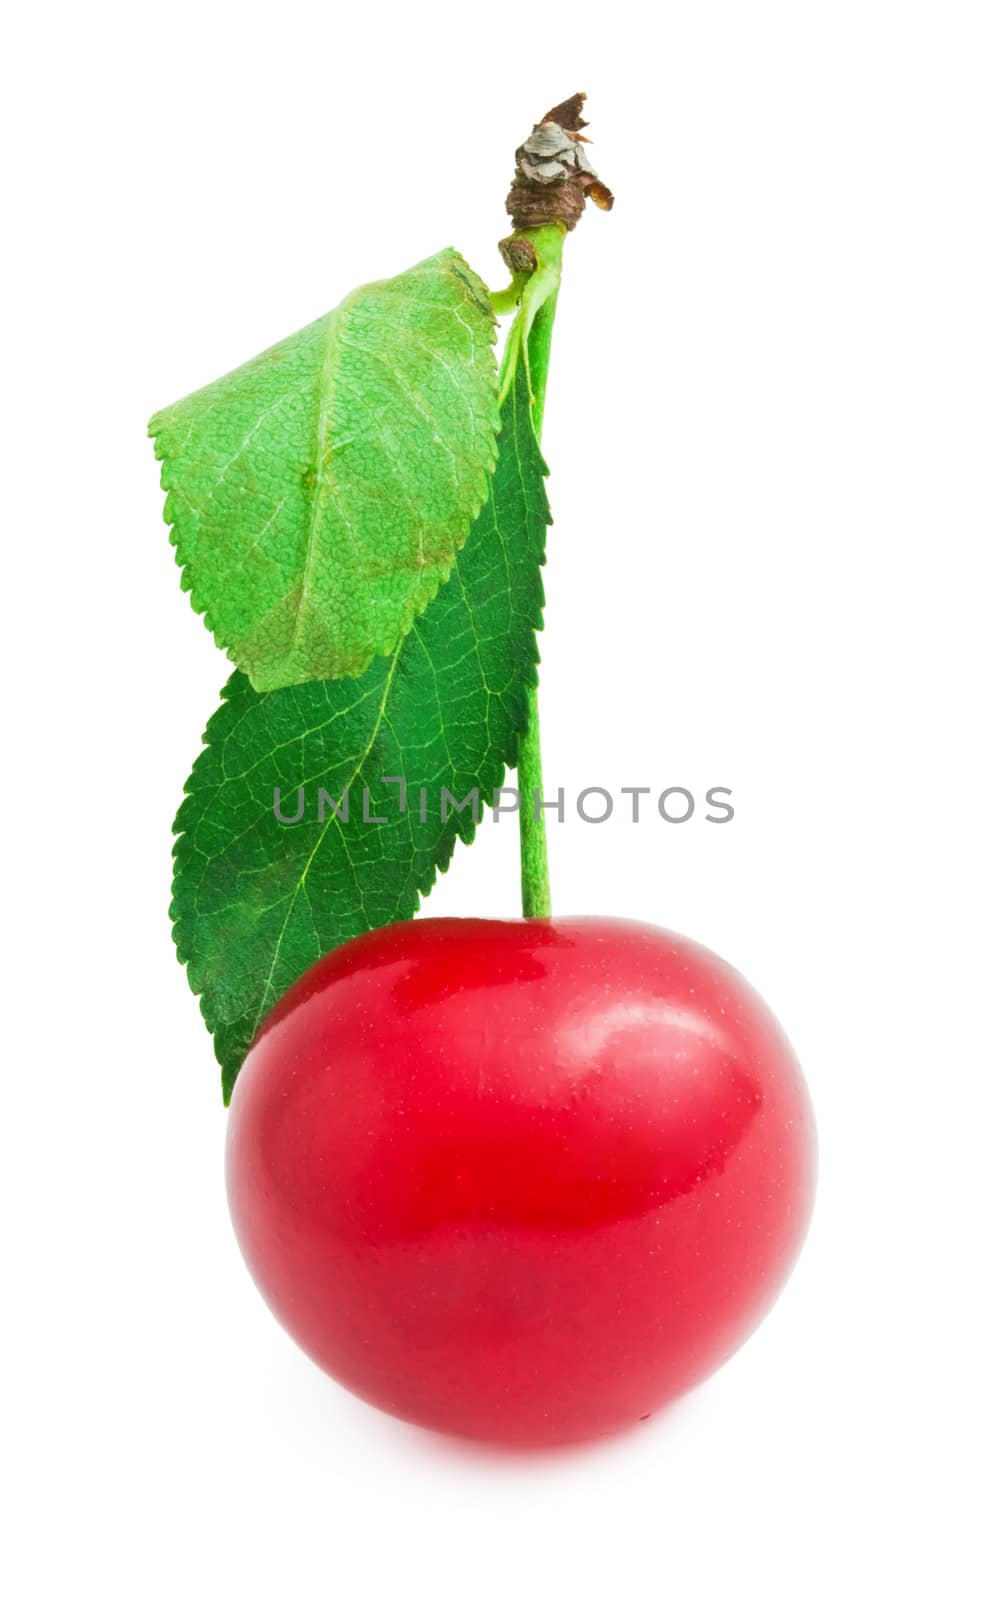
553 176
519 255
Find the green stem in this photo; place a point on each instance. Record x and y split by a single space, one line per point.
530 337
530 340
536 896
504 300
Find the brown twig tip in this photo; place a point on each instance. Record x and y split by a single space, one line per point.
568 114
553 178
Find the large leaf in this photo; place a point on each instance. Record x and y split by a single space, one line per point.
257 902
319 494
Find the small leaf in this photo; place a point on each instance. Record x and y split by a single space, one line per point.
256 902
319 494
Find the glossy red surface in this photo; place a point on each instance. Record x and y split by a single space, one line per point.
521 1181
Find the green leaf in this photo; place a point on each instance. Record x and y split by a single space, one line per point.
256 903
318 495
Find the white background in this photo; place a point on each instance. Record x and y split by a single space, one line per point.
772 427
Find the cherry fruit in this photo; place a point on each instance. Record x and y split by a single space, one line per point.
521 1181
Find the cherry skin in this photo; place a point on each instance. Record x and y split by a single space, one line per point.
520 1181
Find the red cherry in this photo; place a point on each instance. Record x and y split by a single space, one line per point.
522 1181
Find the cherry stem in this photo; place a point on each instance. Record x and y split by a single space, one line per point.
530 339
536 896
